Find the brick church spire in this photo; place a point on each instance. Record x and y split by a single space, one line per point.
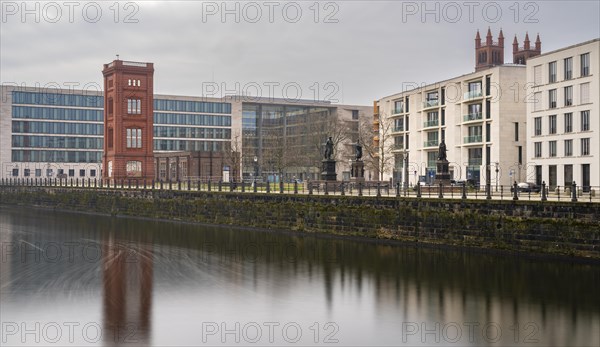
520 55
490 54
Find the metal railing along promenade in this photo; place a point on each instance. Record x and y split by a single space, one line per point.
572 193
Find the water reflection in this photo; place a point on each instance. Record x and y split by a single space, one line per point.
127 290
165 283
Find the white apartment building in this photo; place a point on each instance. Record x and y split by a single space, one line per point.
481 116
563 117
478 116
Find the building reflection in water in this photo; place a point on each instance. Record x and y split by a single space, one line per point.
127 276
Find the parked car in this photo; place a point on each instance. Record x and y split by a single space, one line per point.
527 187
460 183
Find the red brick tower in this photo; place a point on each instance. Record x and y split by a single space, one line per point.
520 55
128 121
490 54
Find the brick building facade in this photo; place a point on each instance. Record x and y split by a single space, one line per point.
128 122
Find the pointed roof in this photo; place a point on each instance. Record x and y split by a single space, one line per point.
477 37
489 33
537 39
501 36
515 42
526 37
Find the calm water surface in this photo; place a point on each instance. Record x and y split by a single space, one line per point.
70 279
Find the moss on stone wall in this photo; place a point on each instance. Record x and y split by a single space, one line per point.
558 228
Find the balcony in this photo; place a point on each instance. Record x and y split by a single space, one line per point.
397 129
475 161
472 95
398 110
473 139
472 117
430 103
430 123
430 143
398 147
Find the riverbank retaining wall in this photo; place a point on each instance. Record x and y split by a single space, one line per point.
550 228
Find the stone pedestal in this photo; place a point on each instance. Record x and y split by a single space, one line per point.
357 171
442 174
328 171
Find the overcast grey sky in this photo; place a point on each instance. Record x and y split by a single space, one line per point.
349 51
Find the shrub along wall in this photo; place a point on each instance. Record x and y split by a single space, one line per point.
556 228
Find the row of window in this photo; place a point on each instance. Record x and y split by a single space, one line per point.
568 99
57 128
22 155
568 176
187 145
50 172
567 148
191 119
29 112
77 100
191 106
584 123
57 113
57 142
567 63
194 133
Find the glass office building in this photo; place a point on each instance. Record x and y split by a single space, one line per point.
283 140
59 133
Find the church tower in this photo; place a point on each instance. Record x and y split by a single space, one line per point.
520 55
491 53
128 121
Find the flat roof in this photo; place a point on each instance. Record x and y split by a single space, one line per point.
564 48
424 87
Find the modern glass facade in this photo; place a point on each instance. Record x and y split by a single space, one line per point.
58 99
192 106
283 140
55 132
63 128
67 128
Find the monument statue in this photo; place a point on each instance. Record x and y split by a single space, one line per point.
328 172
442 151
358 150
329 149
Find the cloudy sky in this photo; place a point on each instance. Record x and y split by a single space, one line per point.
349 52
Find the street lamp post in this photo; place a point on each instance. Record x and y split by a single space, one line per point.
496 163
405 171
255 168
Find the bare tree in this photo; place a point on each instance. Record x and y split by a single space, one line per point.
277 153
322 127
232 155
377 145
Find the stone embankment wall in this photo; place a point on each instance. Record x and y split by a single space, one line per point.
551 228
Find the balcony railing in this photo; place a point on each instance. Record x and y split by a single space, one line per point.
473 116
398 110
398 147
430 143
430 103
475 161
397 129
430 123
473 139
472 95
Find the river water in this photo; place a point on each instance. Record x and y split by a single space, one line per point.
73 279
